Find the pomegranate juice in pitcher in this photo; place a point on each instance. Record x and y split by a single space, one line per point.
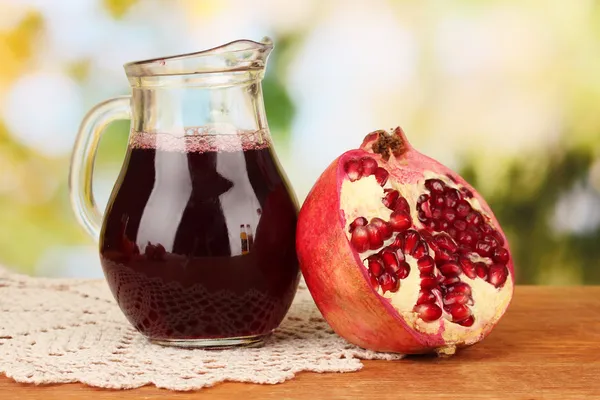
197 241
174 244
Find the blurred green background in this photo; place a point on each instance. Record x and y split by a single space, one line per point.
507 92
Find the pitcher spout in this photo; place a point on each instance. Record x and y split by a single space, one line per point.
236 56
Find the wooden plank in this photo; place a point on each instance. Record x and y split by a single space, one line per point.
546 347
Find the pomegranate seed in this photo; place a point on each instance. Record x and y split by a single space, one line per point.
390 261
469 321
476 232
458 311
426 264
354 170
369 165
465 238
498 238
468 194
360 221
449 214
398 242
424 209
445 242
360 239
400 221
484 249
500 255
428 312
420 250
385 229
462 249
486 229
438 201
468 267
474 218
375 238
428 282
375 265
398 252
389 283
492 241
481 269
430 224
374 281
452 232
428 237
435 186
444 225
422 199
452 198
436 213
403 270
455 298
459 287
411 238
498 274
460 225
422 216
390 198
450 269
443 256
449 281
463 208
426 297
402 205
381 175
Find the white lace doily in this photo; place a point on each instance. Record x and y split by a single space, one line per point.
65 330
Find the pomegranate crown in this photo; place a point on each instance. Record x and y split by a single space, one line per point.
387 143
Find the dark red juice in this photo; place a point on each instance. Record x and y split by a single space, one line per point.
175 242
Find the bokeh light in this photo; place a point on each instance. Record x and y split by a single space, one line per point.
505 92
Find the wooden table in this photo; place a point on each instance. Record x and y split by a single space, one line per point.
546 347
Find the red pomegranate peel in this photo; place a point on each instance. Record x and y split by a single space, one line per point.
400 253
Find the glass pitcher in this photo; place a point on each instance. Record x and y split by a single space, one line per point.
198 239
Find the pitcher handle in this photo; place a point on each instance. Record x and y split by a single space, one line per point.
83 156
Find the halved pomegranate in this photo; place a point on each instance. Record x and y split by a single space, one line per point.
400 253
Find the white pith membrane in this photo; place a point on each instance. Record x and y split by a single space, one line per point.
363 198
